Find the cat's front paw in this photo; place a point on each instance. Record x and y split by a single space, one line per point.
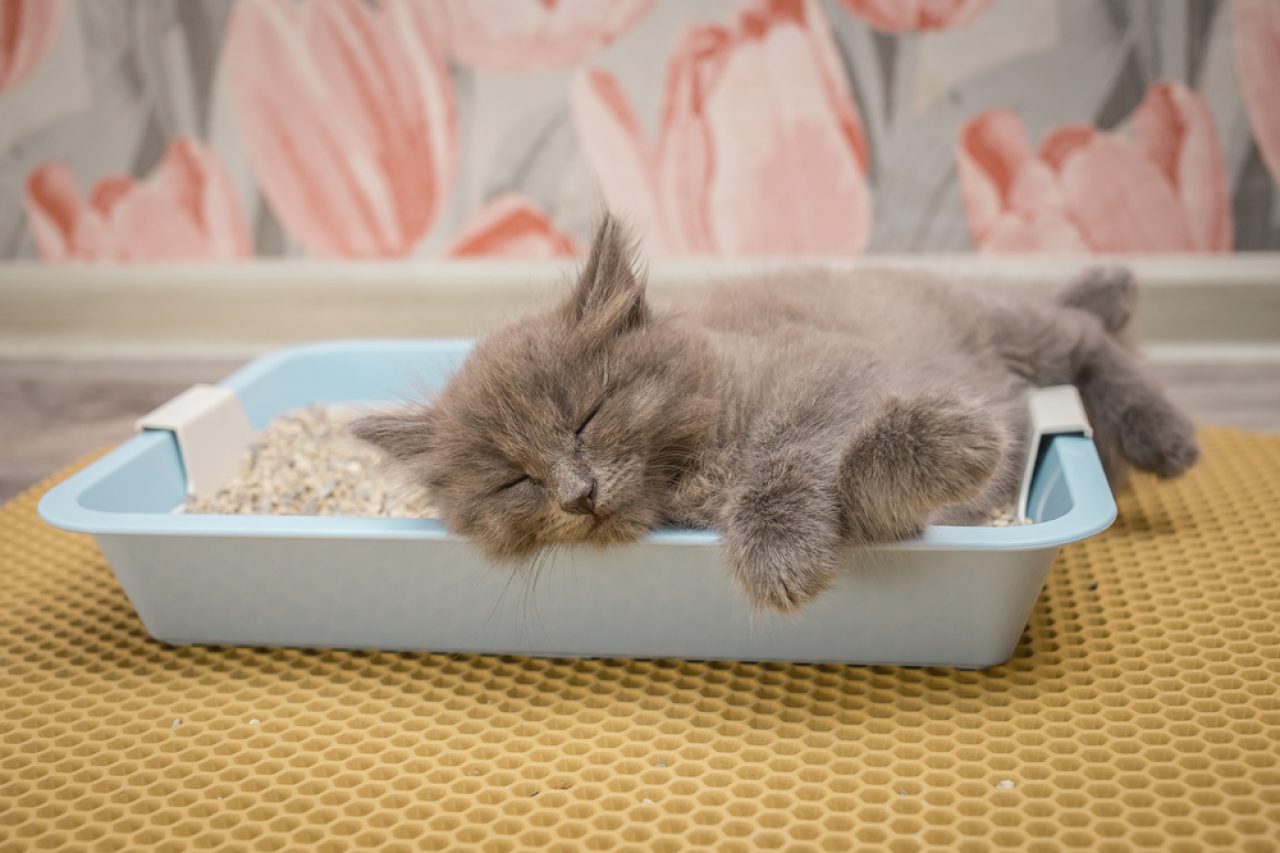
929 450
779 572
1156 437
781 536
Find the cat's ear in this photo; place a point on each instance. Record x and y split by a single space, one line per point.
609 295
401 434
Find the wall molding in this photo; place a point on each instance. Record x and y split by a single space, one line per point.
1225 304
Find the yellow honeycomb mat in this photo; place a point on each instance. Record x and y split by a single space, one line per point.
1142 711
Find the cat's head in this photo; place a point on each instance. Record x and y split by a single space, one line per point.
570 425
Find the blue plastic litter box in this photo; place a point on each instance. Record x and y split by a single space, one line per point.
956 596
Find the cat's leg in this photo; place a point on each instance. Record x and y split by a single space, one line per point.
1129 410
1107 292
781 527
1078 341
912 457
1124 402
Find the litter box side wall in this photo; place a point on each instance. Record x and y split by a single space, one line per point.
887 606
343 372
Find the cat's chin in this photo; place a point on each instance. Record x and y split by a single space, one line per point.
616 529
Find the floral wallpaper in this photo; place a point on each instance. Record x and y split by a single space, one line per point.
215 130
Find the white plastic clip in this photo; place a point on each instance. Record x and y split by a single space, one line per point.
212 431
1056 410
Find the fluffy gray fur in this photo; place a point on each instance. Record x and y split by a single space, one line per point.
795 412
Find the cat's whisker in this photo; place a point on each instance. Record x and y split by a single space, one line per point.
502 594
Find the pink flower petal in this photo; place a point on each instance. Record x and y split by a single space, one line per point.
347 115
515 36
941 14
54 207
195 181
28 29
512 226
760 147
343 43
1035 189
296 151
393 90
1016 233
891 15
614 145
108 192
992 151
787 178
1121 201
1063 141
835 82
903 15
1165 193
437 114
185 211
151 226
685 157
1174 128
1257 37
63 226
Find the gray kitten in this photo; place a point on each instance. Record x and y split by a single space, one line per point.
793 413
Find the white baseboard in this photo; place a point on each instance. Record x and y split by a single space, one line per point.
1227 307
1167 353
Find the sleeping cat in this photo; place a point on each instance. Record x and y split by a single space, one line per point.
793 413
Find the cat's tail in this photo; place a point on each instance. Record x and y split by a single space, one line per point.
1109 293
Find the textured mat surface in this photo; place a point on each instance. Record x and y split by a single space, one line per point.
1142 710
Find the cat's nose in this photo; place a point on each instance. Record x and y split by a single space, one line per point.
584 503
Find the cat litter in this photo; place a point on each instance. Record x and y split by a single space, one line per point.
306 463
243 514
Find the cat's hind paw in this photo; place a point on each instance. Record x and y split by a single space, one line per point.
1156 437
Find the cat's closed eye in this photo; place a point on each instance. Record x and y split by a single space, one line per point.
590 415
518 481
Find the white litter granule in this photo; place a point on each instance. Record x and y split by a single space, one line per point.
177 722
1005 785
1004 517
306 463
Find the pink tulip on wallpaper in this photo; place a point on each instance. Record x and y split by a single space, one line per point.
1163 188
1257 34
532 35
184 211
348 117
904 15
27 31
760 149
512 227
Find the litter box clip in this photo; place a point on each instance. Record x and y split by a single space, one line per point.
1056 410
211 429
